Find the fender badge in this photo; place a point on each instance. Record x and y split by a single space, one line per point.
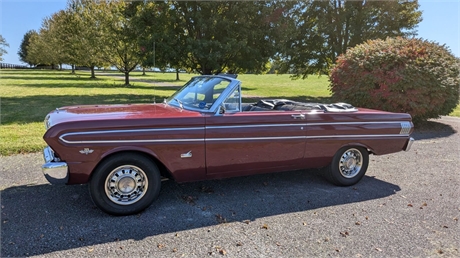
86 151
186 155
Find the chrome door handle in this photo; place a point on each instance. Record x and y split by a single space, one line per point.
301 116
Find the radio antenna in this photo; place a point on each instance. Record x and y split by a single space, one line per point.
154 93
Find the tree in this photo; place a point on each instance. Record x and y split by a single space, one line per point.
3 44
161 39
82 34
23 52
322 30
120 36
47 47
214 36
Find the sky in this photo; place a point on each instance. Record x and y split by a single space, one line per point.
441 22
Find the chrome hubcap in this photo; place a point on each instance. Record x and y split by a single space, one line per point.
126 185
350 163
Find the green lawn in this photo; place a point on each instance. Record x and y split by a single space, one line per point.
26 97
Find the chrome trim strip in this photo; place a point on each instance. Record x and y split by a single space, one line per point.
357 135
299 124
127 131
135 141
236 139
218 127
251 126
137 130
353 123
256 138
406 127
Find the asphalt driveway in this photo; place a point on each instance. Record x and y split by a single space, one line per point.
408 204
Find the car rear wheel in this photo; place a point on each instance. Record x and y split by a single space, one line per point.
125 184
348 166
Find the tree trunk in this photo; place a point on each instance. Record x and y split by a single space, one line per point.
143 70
177 75
92 72
73 69
126 78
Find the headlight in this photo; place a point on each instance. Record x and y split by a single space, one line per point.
47 122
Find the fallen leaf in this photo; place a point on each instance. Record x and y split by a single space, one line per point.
121 247
344 234
440 251
239 244
337 250
220 219
456 219
222 252
174 250
326 239
90 250
264 226
189 199
176 235
160 246
246 221
304 224
206 189
367 217
278 244
410 205
378 249
445 226
357 223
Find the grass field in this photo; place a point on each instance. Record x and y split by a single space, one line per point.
26 96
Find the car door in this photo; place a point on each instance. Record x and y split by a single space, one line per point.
242 143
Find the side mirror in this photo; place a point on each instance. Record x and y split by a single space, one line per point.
222 109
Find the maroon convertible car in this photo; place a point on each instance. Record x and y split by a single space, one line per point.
203 132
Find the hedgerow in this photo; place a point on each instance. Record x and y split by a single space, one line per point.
413 76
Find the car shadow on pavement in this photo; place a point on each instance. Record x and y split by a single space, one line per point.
40 219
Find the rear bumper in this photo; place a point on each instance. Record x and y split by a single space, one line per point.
55 171
409 144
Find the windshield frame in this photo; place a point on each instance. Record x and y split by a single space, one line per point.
233 83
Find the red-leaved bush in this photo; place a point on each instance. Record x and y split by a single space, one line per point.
399 75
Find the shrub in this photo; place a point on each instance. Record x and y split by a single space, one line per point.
399 75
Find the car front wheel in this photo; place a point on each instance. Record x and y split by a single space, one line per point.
125 184
348 166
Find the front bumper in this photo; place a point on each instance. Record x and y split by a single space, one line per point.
55 171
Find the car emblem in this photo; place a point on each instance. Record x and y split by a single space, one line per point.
86 151
186 155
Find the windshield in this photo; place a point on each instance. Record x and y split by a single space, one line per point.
199 93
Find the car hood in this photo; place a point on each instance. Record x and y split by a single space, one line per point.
114 112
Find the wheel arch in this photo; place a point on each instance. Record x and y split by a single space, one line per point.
357 144
139 151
